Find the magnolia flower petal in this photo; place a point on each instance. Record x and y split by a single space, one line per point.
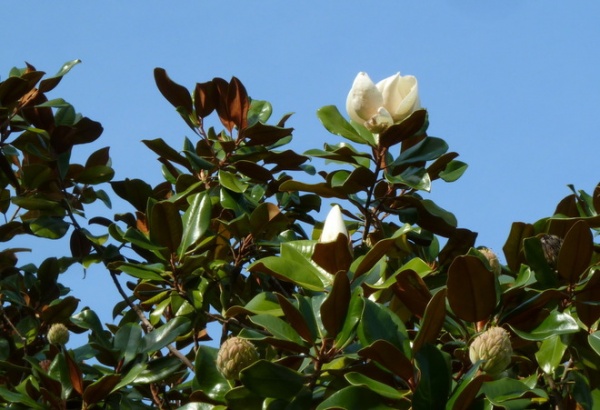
364 99
334 225
400 95
380 121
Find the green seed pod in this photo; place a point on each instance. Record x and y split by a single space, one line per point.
494 348
58 334
235 355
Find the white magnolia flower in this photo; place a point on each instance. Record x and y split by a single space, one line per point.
334 225
377 106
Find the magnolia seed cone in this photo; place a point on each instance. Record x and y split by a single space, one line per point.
235 355
58 334
494 348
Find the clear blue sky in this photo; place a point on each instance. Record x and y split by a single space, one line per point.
510 85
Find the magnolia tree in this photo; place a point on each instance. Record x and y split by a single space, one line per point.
365 311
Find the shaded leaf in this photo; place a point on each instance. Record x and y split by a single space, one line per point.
335 305
176 94
433 321
471 289
268 379
556 323
354 397
575 252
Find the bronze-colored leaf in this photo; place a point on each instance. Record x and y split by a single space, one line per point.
237 100
295 319
397 133
433 320
390 357
80 245
471 289
166 228
513 248
596 198
335 256
75 374
459 243
206 98
100 389
567 206
576 252
176 94
265 135
253 170
98 158
440 164
412 291
335 306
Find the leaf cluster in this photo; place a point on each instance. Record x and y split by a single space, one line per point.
381 319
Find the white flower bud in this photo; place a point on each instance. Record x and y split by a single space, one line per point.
334 225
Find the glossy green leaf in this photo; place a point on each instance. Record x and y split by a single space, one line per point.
435 380
359 379
159 369
556 323
232 182
354 397
207 376
259 111
336 124
594 341
353 315
137 238
427 149
268 379
48 84
501 392
241 398
471 289
379 323
550 353
159 338
453 171
15 397
262 303
127 341
277 327
49 227
95 175
140 271
196 220
467 389
293 268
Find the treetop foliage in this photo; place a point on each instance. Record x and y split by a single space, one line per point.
389 304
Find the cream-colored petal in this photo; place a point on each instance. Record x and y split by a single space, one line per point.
400 95
380 121
334 225
364 99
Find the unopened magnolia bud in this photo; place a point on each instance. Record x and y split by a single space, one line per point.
494 348
235 355
334 226
492 259
551 245
58 334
